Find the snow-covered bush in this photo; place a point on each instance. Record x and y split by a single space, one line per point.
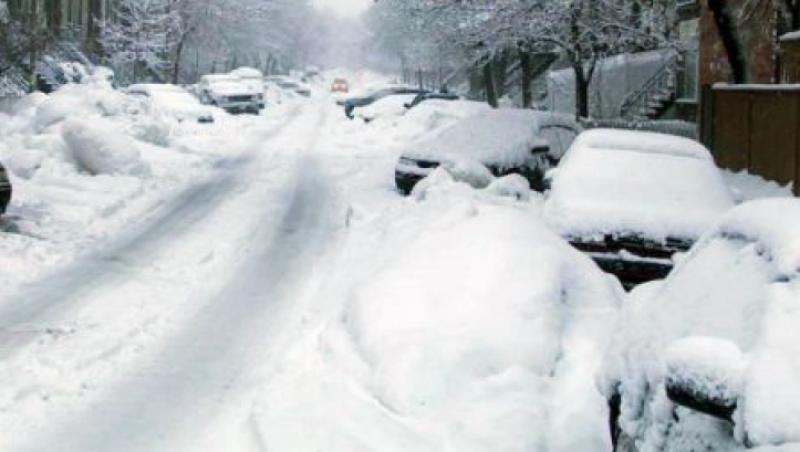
98 148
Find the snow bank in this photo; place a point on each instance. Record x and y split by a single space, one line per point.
84 165
73 100
468 326
99 148
747 187
625 182
740 284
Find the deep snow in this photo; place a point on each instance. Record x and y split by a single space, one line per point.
257 284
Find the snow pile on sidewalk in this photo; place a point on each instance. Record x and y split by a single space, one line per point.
747 187
461 323
83 164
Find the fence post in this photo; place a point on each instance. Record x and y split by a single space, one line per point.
706 120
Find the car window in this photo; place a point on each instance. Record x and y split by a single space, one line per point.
559 138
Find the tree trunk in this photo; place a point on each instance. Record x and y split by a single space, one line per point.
527 77
33 49
734 49
581 91
176 67
488 78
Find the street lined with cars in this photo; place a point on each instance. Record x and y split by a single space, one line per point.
388 270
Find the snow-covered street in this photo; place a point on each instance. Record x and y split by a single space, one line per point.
399 226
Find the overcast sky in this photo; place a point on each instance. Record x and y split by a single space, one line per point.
344 8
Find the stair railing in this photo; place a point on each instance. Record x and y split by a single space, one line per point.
638 100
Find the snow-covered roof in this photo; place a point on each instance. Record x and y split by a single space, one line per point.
647 184
497 137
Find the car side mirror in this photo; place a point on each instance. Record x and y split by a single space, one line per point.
705 374
540 149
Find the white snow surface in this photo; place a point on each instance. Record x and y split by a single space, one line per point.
747 187
739 284
500 137
264 287
710 365
625 182
467 326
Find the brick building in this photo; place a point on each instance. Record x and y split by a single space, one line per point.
755 23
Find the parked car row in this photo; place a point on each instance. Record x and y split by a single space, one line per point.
630 200
708 356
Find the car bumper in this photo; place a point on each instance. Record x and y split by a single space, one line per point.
631 269
405 182
241 107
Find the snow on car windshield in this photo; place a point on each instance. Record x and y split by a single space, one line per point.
498 137
601 190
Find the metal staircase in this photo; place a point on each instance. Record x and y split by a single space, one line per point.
656 95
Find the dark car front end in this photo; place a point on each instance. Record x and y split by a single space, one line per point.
632 259
409 171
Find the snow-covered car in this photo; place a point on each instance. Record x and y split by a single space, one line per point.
289 85
173 101
393 106
5 190
503 142
631 200
340 85
709 359
351 103
253 79
229 93
386 107
423 97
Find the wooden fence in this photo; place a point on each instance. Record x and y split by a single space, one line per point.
754 128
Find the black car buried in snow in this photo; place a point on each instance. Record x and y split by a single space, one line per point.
351 103
524 142
631 200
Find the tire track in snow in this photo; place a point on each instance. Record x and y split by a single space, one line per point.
24 316
178 393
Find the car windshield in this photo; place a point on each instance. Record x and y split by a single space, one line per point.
658 194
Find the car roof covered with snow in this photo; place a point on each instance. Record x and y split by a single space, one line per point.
386 107
650 185
502 138
740 284
246 72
